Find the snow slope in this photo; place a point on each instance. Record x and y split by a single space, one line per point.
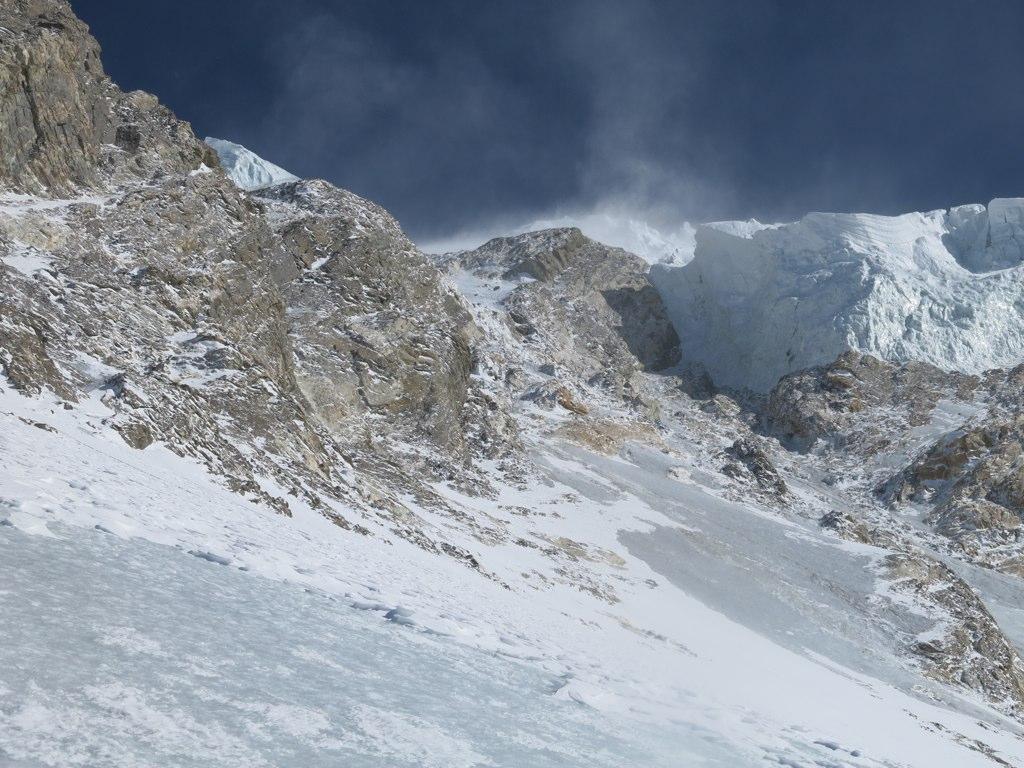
207 628
109 659
944 287
247 169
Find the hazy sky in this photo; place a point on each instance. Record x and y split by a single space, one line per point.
474 115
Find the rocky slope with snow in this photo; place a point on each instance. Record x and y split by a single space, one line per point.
278 489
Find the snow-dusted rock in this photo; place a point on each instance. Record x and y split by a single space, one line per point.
630 232
591 305
247 169
64 125
378 335
943 287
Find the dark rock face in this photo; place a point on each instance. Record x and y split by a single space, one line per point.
751 460
596 298
128 138
644 326
52 119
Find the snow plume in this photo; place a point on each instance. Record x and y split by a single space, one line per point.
575 114
608 223
621 193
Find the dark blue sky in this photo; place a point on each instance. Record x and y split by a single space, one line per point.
461 115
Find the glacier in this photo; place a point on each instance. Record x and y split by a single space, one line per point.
944 287
247 169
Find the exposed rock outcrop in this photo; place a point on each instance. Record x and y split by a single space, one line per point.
964 646
858 401
750 462
568 324
593 304
64 126
377 335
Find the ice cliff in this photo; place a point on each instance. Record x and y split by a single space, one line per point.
247 169
943 287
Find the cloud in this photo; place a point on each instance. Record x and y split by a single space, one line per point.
471 119
564 115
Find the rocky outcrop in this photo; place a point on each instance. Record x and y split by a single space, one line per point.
600 293
162 303
585 312
973 478
858 401
568 325
748 461
63 125
964 645
949 631
377 335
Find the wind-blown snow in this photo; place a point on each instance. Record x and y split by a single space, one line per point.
247 169
944 287
631 232
624 230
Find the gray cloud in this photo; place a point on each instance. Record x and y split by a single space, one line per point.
476 117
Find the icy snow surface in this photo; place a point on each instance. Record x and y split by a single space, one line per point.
943 287
121 652
148 616
247 169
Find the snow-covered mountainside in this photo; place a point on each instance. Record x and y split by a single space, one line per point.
943 287
277 489
247 169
